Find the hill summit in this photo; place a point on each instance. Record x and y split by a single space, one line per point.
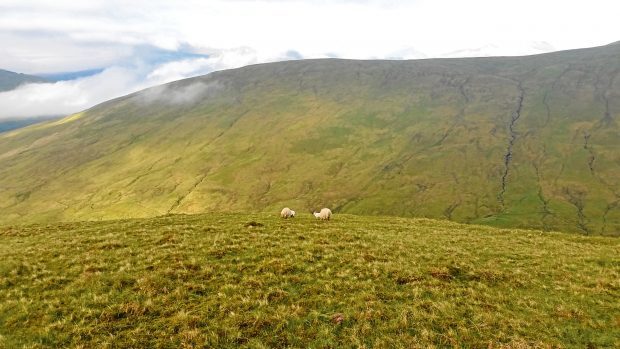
513 141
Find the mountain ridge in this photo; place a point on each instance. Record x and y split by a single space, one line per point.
11 80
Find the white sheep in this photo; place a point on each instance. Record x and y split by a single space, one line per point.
325 214
287 213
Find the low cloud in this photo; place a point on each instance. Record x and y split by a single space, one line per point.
62 35
144 43
66 97
177 95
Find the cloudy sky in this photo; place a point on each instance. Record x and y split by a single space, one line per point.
124 46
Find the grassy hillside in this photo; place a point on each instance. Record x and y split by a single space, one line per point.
256 281
510 142
10 80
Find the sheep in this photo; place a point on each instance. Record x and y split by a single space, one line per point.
325 214
287 213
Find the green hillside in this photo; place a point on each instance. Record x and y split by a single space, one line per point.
258 281
511 142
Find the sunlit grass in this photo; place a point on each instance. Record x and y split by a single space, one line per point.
257 281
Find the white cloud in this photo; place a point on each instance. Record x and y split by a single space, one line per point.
183 95
351 29
66 97
38 36
226 59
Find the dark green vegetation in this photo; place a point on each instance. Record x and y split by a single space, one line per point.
10 80
511 142
230 280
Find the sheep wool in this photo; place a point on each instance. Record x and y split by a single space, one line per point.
325 214
287 213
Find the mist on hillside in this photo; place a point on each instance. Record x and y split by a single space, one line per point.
179 93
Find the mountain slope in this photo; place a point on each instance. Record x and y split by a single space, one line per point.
517 141
10 80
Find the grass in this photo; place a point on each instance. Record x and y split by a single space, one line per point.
257 281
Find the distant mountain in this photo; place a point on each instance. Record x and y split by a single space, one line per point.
516 142
12 124
63 76
10 80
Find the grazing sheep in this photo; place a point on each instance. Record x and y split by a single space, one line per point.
287 213
325 214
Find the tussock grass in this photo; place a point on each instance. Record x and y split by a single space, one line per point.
257 281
